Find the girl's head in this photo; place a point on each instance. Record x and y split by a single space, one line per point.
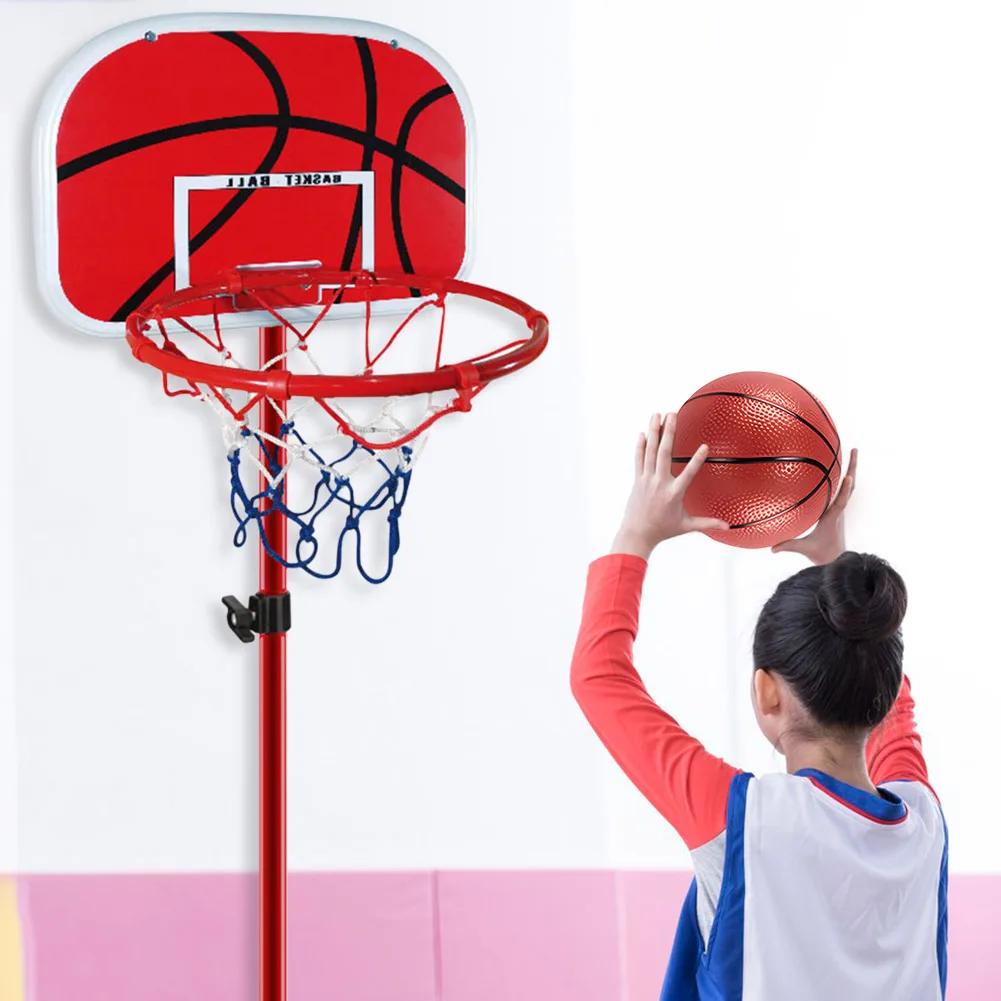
828 654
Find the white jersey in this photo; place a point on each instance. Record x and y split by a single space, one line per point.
823 892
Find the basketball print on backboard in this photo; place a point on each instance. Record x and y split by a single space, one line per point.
176 147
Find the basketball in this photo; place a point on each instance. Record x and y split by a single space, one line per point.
774 457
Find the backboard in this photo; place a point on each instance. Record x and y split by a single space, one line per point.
172 148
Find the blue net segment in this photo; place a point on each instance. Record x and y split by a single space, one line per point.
335 500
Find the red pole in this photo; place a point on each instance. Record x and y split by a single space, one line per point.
271 648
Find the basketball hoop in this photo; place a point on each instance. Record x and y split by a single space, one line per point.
170 332
265 157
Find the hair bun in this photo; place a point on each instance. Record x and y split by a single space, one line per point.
862 598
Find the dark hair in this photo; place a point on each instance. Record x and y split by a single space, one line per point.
833 633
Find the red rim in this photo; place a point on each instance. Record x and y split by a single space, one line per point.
282 385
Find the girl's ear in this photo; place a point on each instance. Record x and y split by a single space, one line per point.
767 694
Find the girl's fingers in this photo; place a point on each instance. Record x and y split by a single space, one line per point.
792 546
841 501
666 450
705 525
685 477
852 463
640 453
652 443
847 482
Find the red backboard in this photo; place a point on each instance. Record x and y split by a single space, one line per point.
172 148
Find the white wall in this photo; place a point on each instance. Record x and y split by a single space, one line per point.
809 189
8 728
799 187
431 721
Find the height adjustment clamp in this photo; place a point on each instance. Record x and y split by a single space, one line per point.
264 614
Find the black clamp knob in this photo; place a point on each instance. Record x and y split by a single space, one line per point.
264 614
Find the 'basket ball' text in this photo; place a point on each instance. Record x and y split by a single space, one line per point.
282 180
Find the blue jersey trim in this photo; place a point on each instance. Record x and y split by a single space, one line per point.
943 908
942 936
714 971
886 808
681 979
722 972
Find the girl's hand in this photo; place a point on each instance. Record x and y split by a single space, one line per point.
655 511
827 540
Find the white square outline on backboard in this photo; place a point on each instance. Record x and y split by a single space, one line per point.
183 186
44 168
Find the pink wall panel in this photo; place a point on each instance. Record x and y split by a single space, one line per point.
123 937
521 936
400 936
362 937
974 938
649 906
367 937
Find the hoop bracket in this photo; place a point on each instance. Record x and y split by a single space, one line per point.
469 385
264 614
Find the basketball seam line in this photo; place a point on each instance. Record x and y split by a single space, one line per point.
827 416
778 514
837 455
825 479
749 460
778 406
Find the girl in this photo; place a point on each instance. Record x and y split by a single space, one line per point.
827 883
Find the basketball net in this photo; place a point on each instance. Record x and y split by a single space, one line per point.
357 454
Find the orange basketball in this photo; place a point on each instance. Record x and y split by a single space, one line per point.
774 457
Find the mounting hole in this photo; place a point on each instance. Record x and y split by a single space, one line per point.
150 36
394 44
